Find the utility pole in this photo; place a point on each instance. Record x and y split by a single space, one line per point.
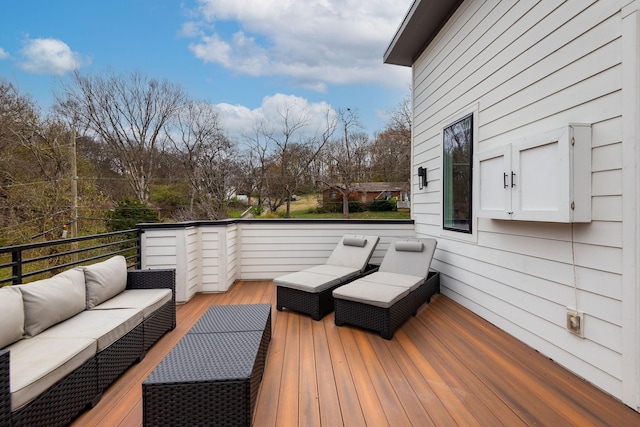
74 185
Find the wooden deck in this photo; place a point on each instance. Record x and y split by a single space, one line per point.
445 367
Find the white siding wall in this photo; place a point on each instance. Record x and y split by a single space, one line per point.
209 258
272 249
528 67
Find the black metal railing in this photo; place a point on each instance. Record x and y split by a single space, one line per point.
26 263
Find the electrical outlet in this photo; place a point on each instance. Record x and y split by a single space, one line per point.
575 322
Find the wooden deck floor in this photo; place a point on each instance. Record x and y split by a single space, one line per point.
445 367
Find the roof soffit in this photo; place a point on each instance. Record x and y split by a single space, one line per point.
419 27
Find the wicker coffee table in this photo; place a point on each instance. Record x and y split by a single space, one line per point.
213 374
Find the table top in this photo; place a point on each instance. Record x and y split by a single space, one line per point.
209 357
233 318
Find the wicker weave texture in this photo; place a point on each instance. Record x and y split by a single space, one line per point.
5 397
115 359
213 375
159 323
385 321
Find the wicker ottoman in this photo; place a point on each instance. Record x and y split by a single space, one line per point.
213 375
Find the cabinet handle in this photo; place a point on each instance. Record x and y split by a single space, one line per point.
513 179
504 180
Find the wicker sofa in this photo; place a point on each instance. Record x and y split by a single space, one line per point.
64 340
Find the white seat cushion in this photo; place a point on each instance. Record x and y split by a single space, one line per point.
105 326
38 363
307 281
148 300
371 293
395 279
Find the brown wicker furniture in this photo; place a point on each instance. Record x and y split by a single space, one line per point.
60 403
309 291
384 300
212 376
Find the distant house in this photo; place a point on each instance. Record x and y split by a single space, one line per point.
366 192
526 116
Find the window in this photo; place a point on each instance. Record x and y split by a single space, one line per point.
457 180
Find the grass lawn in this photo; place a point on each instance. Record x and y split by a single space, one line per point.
302 209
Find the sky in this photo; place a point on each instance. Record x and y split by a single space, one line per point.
246 57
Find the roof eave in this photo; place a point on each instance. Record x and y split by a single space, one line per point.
419 27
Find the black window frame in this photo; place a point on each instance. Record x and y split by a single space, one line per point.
448 221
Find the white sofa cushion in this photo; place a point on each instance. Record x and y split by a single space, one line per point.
148 300
105 280
11 315
105 326
50 301
371 293
38 363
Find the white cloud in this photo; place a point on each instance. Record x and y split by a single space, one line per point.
3 54
49 56
239 121
315 42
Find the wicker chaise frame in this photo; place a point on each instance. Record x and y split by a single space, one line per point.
82 388
385 321
315 304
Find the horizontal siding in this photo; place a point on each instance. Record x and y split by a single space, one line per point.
210 258
271 250
529 67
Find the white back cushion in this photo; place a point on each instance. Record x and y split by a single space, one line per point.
11 315
50 301
105 280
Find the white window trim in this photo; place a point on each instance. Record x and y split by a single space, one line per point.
456 235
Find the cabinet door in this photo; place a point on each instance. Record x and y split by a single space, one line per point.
541 178
495 183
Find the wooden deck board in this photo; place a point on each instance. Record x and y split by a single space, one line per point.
445 367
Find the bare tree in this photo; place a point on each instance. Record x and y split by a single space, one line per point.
347 158
391 149
208 158
283 154
128 113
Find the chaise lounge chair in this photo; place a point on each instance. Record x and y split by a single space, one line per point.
309 291
385 299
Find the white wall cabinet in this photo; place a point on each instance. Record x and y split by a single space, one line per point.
542 178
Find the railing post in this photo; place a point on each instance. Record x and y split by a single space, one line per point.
16 259
139 251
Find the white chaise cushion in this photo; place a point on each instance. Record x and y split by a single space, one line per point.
50 301
11 315
307 281
340 272
371 293
105 280
409 256
395 279
104 326
38 363
147 300
353 255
